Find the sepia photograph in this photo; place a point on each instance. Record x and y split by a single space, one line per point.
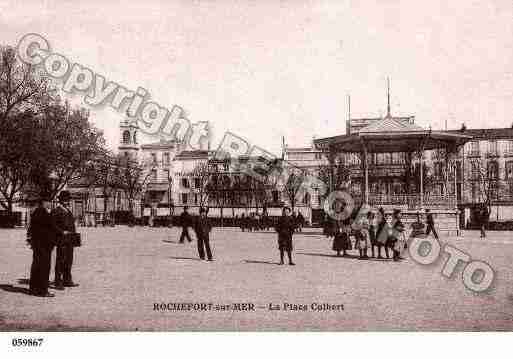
255 166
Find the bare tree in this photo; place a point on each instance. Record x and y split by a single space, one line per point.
486 176
202 174
131 179
104 174
70 143
293 185
18 147
21 86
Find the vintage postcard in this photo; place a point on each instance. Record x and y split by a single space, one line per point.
255 166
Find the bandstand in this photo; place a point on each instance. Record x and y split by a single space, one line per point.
408 143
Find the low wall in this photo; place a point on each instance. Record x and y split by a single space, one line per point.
446 220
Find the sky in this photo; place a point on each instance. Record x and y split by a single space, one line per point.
267 69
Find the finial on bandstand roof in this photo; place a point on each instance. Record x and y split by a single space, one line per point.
388 98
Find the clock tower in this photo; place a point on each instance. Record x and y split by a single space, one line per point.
128 145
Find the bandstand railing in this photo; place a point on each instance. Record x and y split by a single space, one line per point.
409 201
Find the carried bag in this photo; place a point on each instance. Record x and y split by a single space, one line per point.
73 239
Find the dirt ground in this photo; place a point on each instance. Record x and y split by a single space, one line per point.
137 278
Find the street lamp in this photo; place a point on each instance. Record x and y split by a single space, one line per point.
169 199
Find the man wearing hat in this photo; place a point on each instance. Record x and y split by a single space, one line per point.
65 224
185 222
202 228
41 236
285 229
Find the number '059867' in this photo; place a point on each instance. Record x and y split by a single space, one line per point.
27 342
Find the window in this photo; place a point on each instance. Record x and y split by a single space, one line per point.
226 166
153 175
510 147
126 136
153 158
184 198
275 196
135 137
493 170
474 148
492 148
509 170
306 199
438 169
185 183
475 192
167 158
398 157
195 198
197 183
459 172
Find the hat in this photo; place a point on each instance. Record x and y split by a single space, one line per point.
64 196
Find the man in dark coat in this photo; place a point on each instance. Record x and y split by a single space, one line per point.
484 218
65 224
382 233
300 221
430 224
185 222
202 228
285 229
41 236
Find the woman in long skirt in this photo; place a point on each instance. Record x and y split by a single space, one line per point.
399 236
341 241
373 228
382 233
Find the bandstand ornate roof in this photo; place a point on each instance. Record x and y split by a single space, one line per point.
391 135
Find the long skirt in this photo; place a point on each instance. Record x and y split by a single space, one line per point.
285 242
341 242
40 270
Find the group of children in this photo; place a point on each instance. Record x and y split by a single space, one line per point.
371 231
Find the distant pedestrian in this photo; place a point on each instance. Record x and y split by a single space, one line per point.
285 229
65 224
300 221
242 222
484 217
383 233
202 227
430 224
341 239
41 236
373 230
398 240
185 222
362 236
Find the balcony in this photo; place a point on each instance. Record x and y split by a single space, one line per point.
492 154
474 153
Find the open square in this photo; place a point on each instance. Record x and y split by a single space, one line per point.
124 272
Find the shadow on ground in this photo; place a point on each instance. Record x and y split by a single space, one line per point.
260 262
347 256
189 258
12 289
